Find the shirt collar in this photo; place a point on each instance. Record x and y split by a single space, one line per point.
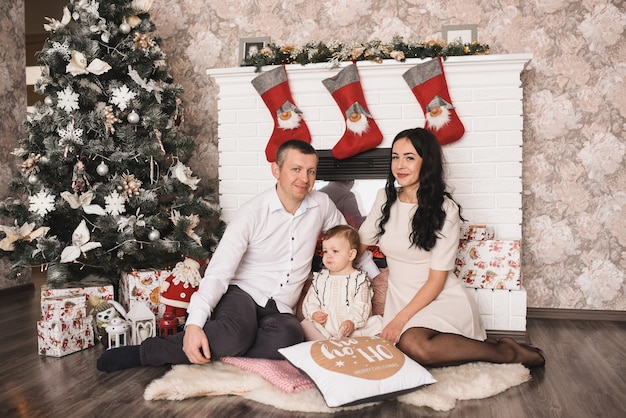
275 203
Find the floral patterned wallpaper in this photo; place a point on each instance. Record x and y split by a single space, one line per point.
12 101
574 175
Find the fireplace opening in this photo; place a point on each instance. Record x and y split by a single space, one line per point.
352 184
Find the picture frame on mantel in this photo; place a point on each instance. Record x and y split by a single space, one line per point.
466 34
250 46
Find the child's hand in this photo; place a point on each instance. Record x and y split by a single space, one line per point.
346 329
320 317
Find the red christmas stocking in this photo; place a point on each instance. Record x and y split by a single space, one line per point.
288 123
428 83
361 132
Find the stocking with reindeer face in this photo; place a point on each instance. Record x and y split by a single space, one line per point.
428 83
361 132
273 87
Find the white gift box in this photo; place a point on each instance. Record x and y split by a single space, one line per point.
60 338
477 232
64 308
144 286
88 287
489 264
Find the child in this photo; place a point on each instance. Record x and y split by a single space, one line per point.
339 301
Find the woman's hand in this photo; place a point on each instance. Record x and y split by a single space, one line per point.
393 330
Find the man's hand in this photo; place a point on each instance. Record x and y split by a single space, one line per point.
320 317
196 345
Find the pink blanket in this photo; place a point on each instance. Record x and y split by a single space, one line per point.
280 373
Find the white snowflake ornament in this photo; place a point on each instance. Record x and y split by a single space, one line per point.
121 96
114 204
67 100
41 203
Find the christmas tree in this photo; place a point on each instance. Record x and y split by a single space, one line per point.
103 186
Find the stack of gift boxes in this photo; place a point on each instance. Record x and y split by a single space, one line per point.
491 268
66 325
487 263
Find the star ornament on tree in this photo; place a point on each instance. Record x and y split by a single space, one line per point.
80 244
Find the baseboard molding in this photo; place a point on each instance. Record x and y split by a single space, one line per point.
19 288
519 336
575 314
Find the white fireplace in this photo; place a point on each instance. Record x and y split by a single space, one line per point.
483 169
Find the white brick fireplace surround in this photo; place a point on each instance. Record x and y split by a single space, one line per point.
484 168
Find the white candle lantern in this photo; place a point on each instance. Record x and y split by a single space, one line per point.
142 322
117 332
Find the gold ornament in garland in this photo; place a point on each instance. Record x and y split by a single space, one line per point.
375 50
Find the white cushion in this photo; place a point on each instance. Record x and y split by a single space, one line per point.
355 370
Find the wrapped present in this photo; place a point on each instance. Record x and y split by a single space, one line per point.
60 338
64 308
489 264
477 232
144 286
88 287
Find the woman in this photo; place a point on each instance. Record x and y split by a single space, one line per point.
416 223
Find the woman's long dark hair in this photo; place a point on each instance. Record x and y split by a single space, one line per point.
430 215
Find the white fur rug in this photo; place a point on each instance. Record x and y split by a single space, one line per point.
469 381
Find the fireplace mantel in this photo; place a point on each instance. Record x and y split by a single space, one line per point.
483 169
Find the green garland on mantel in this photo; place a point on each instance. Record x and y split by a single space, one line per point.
374 50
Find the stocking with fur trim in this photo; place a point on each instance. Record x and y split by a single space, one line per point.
361 132
273 87
428 83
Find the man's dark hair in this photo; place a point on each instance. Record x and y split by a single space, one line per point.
297 144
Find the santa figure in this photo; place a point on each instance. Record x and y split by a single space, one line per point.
178 287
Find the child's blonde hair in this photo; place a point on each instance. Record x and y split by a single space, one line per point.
347 232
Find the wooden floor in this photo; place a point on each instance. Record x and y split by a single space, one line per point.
585 376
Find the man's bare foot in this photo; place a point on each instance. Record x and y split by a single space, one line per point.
527 355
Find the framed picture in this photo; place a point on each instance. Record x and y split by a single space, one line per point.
465 34
248 47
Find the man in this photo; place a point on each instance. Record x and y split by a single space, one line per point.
246 300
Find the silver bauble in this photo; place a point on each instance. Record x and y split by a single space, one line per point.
133 117
33 179
125 28
48 101
102 169
154 235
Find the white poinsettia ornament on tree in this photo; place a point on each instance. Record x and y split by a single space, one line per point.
78 65
80 244
184 174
